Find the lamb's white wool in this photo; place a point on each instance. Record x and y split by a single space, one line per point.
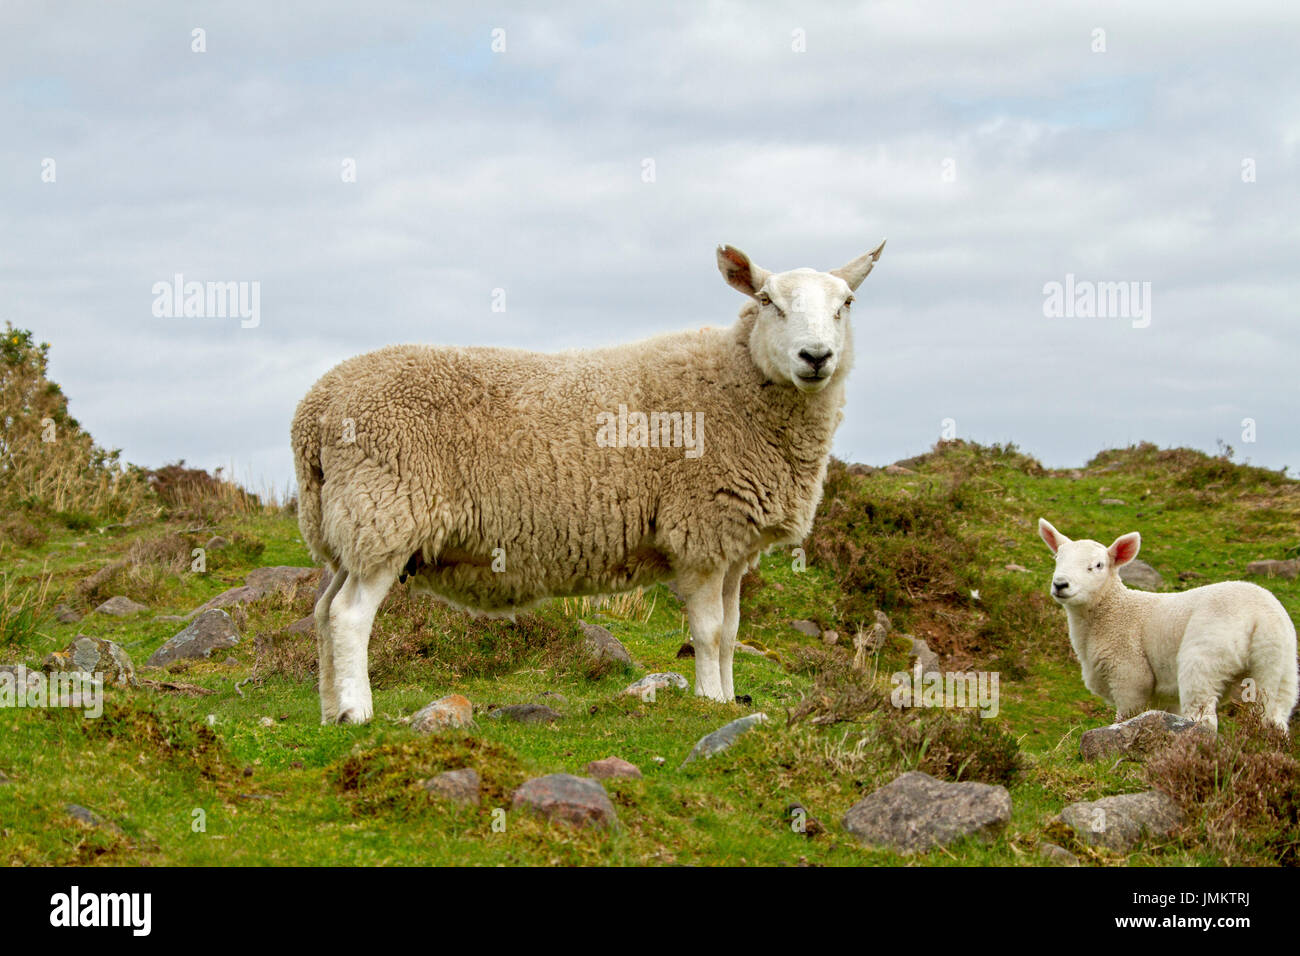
1194 647
492 477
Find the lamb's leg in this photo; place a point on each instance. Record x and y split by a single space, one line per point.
1132 694
1273 667
329 692
730 626
1202 677
351 615
703 593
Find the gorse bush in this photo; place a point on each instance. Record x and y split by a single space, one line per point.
48 463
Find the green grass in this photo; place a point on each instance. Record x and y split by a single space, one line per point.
298 793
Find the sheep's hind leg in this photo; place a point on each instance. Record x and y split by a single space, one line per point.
351 615
1202 678
730 627
329 692
704 611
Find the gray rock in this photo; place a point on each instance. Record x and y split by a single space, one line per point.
1289 569
454 710
527 714
915 812
807 628
712 744
921 653
90 818
1138 736
746 649
1122 822
651 683
213 630
1138 574
305 625
830 637
1057 855
228 598
91 656
1113 501
579 801
216 543
120 606
456 786
602 644
613 767
65 615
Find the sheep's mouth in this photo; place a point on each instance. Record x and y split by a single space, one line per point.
814 380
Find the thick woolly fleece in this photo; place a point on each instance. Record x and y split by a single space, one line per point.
479 471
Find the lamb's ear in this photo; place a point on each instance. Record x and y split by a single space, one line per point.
741 274
1125 548
1051 537
857 270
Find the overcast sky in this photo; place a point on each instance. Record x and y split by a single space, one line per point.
999 146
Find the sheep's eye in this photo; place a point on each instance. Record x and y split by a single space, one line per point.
764 298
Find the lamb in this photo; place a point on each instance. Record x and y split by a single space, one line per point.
497 478
1137 647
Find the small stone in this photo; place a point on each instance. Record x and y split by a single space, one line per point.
93 656
1289 569
266 722
602 644
898 470
211 631
613 767
90 818
120 606
579 801
921 653
1112 501
65 615
747 649
651 683
712 744
1138 574
1017 567
1138 736
305 625
807 628
450 711
527 714
457 786
915 812
1122 822
830 637
281 577
1057 855
216 543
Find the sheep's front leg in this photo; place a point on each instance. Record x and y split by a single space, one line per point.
730 627
703 593
351 615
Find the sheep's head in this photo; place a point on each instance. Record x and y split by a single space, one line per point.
801 335
1085 568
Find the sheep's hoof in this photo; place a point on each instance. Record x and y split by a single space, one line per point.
353 715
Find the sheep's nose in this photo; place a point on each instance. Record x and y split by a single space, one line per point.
815 357
1059 584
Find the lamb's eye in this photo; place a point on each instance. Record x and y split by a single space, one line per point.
764 299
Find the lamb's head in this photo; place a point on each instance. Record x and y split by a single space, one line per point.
1085 569
801 333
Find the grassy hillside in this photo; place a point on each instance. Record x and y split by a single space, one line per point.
929 543
915 543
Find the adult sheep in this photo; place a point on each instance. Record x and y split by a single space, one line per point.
496 478
1136 648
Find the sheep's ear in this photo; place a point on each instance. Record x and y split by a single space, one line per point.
1125 548
741 274
1051 537
858 269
